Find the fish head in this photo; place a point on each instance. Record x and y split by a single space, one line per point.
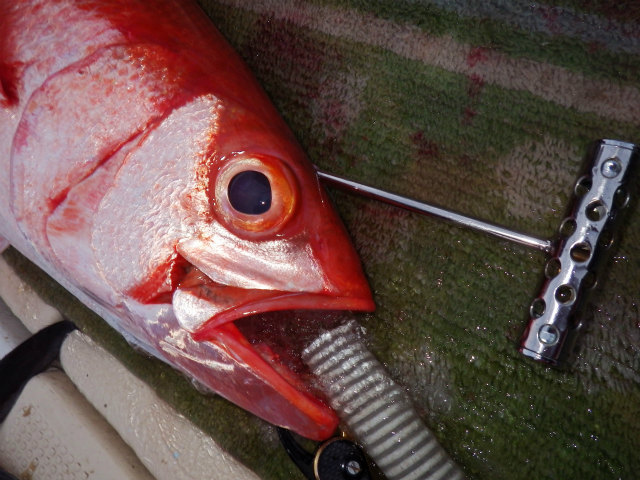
273 240
227 223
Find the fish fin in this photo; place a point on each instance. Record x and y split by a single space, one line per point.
28 359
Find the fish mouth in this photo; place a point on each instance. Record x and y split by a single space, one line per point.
265 331
204 307
279 338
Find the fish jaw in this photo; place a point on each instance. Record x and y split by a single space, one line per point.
315 269
203 308
233 279
207 313
311 417
228 363
206 342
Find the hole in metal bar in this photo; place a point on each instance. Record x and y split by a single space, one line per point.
552 268
621 198
548 335
596 211
565 294
605 240
567 227
581 252
583 185
538 307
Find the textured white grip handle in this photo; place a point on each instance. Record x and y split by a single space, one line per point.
376 409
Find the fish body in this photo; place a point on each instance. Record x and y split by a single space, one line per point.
144 168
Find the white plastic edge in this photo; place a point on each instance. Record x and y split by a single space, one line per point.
164 441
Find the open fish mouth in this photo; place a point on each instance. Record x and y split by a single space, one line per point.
280 337
265 332
201 305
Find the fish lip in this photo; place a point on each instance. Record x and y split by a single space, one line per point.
282 301
210 304
234 330
299 405
233 320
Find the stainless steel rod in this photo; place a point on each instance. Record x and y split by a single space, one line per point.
427 209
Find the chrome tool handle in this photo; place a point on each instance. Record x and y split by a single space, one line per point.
600 197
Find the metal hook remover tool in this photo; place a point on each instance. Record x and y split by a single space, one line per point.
600 197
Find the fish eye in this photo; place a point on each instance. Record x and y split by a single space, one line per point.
250 192
254 195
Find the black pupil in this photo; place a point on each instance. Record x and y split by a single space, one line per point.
250 192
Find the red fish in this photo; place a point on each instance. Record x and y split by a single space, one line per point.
144 168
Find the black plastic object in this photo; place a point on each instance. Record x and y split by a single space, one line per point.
340 459
335 459
28 359
4 475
